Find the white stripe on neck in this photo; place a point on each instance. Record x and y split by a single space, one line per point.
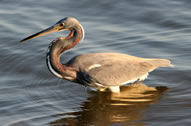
51 68
83 33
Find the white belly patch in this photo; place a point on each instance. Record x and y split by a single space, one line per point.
136 79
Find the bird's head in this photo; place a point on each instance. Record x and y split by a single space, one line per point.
68 23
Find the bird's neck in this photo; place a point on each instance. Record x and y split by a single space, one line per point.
57 48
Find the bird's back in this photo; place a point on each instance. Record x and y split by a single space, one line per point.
112 69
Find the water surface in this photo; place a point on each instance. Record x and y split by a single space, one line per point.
31 96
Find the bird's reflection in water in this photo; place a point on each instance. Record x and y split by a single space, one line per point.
104 108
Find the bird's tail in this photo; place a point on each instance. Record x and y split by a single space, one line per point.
161 62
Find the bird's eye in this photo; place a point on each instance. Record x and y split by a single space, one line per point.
62 24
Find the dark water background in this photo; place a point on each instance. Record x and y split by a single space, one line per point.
31 96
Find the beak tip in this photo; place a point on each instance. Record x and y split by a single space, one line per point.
21 41
26 39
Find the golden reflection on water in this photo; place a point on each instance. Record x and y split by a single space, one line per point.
105 108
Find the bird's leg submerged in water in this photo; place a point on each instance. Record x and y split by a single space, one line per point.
115 89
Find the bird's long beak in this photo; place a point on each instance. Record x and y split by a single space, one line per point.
54 28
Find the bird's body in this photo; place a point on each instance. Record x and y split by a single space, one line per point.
99 70
112 70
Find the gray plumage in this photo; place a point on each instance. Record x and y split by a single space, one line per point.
113 69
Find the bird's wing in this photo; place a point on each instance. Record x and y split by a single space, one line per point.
109 69
119 73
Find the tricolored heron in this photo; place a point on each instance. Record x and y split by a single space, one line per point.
99 70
